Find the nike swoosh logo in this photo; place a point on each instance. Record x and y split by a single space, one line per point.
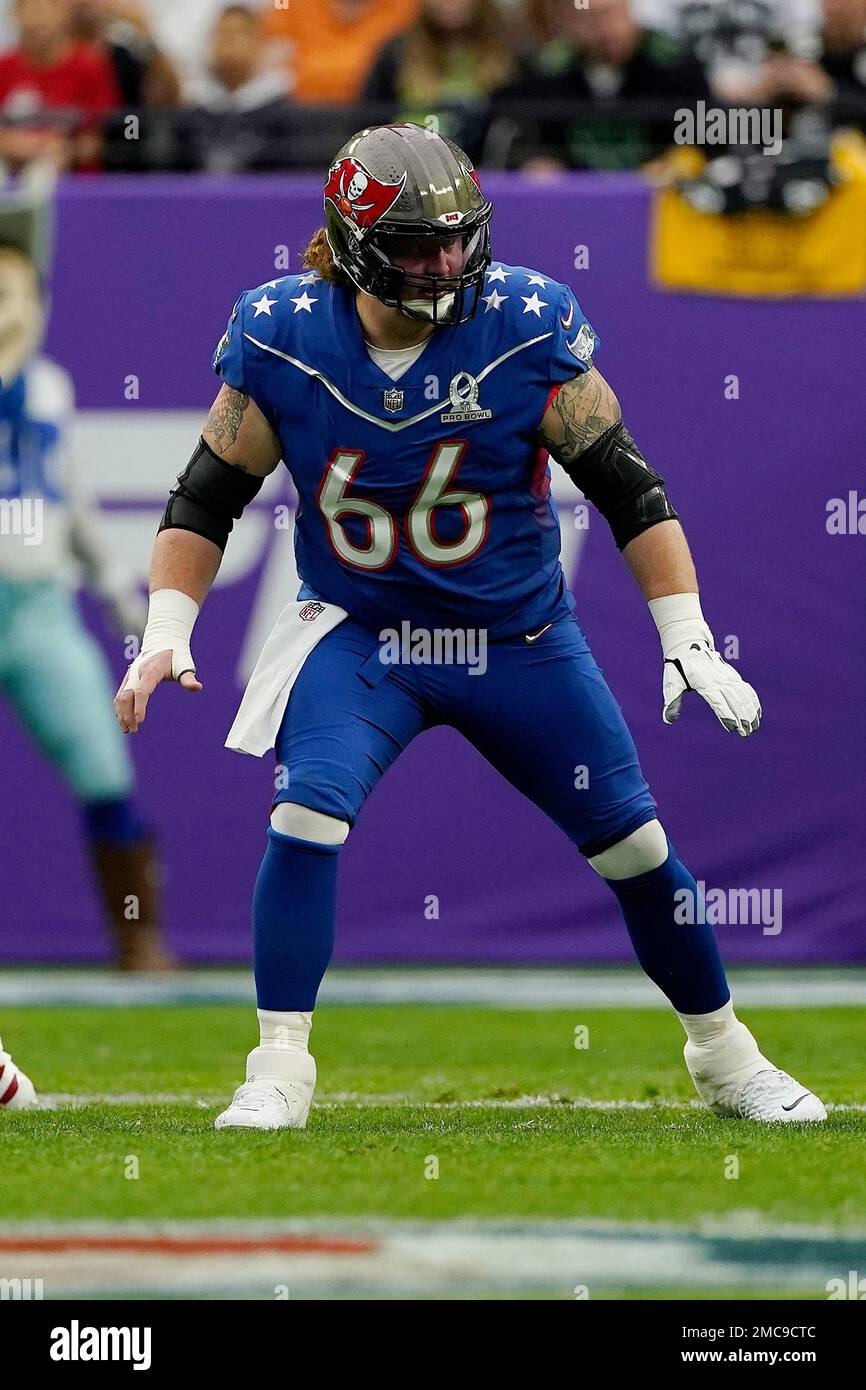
566 323
804 1096
534 636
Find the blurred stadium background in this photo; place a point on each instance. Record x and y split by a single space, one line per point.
726 286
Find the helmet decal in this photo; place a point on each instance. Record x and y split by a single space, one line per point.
358 196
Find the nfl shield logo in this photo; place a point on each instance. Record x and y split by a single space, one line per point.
393 401
310 611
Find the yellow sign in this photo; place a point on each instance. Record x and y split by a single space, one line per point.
768 254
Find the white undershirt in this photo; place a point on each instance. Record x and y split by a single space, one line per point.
396 361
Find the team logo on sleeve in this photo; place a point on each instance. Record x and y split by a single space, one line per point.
360 199
584 344
221 347
464 392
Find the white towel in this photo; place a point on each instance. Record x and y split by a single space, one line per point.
294 635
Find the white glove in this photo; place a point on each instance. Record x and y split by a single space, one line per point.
170 622
692 663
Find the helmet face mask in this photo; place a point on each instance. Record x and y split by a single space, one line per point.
438 299
393 187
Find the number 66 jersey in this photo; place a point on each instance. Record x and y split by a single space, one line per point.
424 499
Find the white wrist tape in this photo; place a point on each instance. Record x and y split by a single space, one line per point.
170 621
680 621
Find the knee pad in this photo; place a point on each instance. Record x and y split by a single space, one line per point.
287 818
646 848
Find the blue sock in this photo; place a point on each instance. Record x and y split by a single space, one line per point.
294 905
115 821
682 959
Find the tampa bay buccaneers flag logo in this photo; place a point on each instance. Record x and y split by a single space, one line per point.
359 197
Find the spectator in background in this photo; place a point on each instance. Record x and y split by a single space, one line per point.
761 52
145 76
794 20
240 121
595 54
235 80
327 47
182 30
54 90
446 66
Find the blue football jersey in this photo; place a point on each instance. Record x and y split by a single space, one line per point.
424 499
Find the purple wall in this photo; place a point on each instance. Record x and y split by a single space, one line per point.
146 273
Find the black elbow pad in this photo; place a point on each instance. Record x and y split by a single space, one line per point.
614 475
209 496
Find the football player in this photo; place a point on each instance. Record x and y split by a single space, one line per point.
51 670
409 383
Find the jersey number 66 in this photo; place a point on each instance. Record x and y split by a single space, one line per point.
381 547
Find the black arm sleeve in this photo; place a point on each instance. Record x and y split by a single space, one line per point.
209 496
614 475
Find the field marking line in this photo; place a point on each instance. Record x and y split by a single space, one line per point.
353 1100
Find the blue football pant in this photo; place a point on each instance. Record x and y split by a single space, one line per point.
541 714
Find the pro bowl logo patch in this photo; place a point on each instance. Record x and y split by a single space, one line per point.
464 392
311 611
360 199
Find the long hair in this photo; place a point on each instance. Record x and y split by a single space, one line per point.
318 257
427 45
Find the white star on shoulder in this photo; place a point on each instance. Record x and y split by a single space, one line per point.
493 300
310 279
536 280
263 305
304 302
534 305
273 284
498 274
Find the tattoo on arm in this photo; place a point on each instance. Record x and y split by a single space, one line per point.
582 411
225 418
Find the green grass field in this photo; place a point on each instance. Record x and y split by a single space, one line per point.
394 1083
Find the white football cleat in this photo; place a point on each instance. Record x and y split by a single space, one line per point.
734 1079
773 1097
17 1091
273 1102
